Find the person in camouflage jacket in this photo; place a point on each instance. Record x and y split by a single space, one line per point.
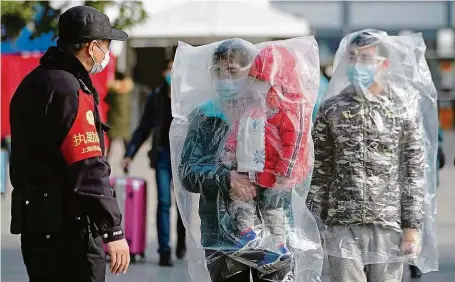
361 144
368 179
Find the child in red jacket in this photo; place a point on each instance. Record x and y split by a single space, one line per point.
270 142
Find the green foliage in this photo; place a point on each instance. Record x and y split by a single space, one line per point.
131 13
15 15
99 5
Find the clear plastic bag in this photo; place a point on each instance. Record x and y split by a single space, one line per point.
375 142
242 157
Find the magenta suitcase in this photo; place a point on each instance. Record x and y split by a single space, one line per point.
132 198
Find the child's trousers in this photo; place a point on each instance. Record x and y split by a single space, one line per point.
272 204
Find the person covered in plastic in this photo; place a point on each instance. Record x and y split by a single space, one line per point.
206 169
368 181
269 143
199 170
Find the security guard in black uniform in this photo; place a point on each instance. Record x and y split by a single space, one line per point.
62 203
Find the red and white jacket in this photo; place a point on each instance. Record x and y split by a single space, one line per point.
272 142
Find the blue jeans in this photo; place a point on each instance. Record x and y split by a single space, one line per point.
163 172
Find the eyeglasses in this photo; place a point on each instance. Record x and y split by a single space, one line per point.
354 56
226 71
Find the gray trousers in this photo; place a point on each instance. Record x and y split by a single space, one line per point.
371 243
272 203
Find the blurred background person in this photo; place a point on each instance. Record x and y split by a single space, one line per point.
157 117
441 159
118 116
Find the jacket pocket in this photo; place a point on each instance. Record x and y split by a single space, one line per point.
43 210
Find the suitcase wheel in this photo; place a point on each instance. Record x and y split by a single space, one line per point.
137 257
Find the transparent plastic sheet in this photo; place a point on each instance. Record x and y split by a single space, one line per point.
242 157
375 141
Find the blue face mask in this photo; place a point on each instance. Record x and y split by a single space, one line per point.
168 78
228 89
362 75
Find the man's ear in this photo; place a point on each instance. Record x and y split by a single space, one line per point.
91 47
386 63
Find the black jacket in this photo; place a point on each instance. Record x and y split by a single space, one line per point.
58 171
157 118
201 172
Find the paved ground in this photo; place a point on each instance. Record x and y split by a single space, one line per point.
12 269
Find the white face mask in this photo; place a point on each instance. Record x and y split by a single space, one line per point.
97 68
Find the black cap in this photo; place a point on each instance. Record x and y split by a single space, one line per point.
82 24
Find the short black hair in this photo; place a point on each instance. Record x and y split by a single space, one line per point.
234 48
366 38
72 48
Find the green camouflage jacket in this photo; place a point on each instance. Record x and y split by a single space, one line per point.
369 162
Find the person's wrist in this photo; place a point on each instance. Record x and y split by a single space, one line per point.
411 234
112 234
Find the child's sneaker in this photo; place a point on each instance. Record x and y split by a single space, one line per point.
247 240
273 261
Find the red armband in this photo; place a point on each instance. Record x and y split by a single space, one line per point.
82 141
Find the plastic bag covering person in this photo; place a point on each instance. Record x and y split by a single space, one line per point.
323 85
375 144
242 153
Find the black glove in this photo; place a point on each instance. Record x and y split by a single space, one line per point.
442 159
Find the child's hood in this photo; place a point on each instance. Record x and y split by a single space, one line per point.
276 65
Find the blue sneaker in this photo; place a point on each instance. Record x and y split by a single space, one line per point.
246 241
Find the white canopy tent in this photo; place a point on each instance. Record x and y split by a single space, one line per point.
200 22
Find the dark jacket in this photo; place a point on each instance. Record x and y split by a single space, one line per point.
200 172
157 117
57 169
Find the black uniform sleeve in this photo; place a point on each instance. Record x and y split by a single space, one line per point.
88 176
90 179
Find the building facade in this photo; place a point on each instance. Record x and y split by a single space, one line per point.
331 20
